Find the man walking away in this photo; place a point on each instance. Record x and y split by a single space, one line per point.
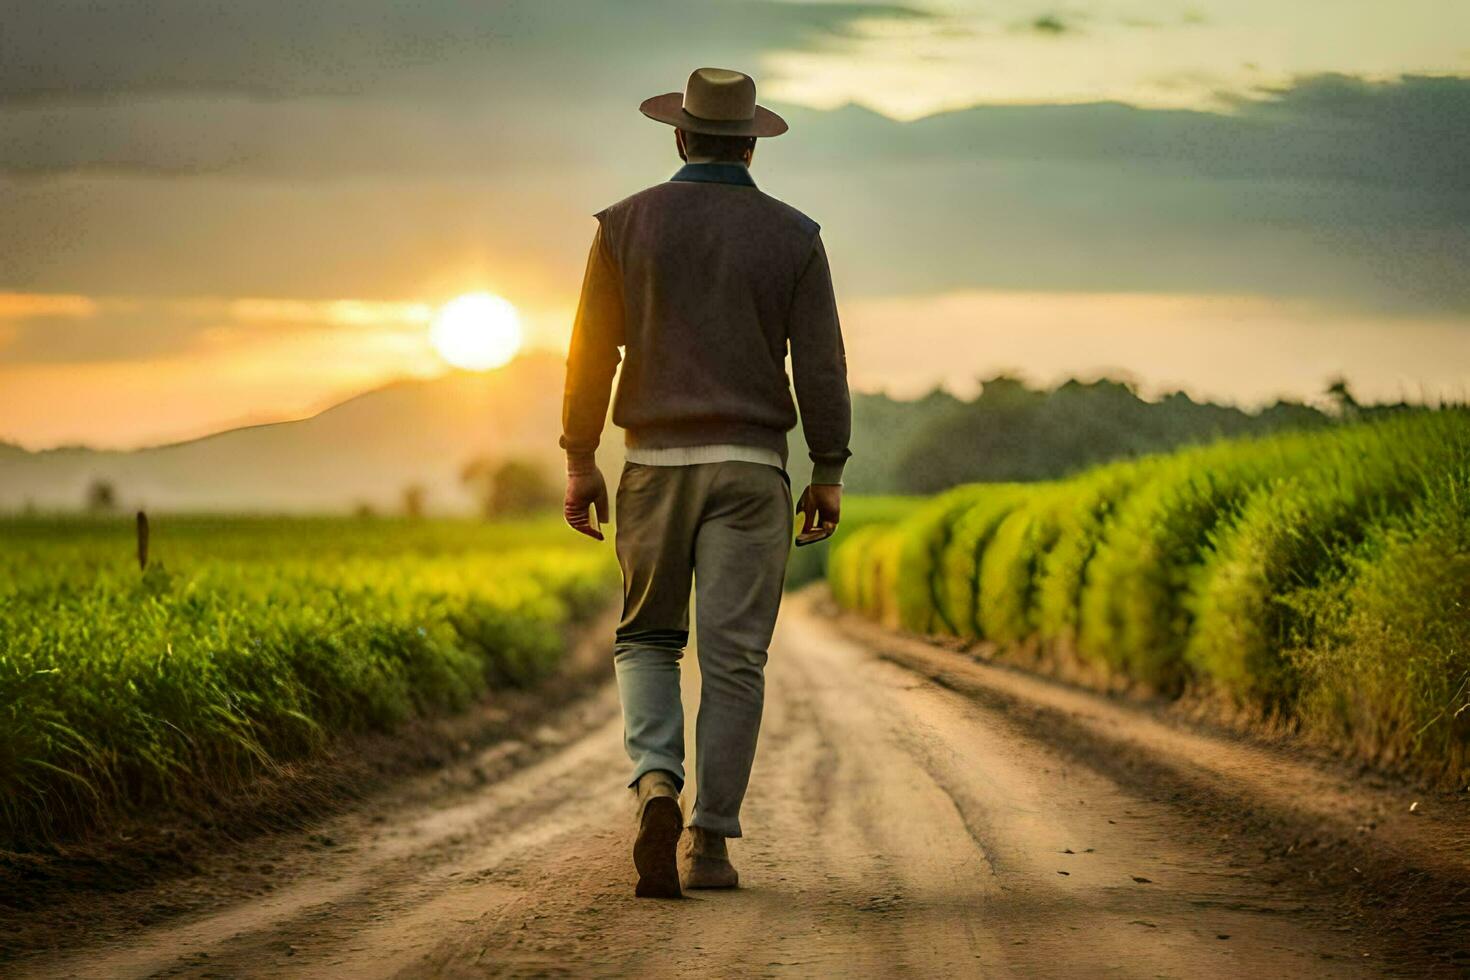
705 282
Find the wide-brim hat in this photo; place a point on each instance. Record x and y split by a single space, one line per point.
717 101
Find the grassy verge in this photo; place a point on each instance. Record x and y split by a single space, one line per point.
250 642
1318 579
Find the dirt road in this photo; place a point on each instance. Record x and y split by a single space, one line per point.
897 827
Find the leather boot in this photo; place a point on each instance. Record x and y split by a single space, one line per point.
707 861
660 822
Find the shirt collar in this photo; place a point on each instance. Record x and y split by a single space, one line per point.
715 173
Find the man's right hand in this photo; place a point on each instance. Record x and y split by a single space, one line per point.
821 508
586 491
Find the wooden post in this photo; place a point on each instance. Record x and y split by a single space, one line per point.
142 541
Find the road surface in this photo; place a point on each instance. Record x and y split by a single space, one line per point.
896 827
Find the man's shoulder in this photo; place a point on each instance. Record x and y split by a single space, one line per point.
802 222
778 210
631 201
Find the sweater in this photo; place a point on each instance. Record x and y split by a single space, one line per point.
706 282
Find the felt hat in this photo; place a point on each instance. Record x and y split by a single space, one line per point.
716 101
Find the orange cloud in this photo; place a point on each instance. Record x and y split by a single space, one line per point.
19 306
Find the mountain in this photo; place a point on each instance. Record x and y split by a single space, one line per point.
362 451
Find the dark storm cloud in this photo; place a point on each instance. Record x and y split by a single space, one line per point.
333 88
83 50
346 147
1412 133
1333 188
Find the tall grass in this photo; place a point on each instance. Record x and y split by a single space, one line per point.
1132 614
1318 577
958 589
1299 530
1007 602
1386 668
919 573
1062 573
250 642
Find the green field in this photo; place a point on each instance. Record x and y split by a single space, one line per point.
249 642
1321 579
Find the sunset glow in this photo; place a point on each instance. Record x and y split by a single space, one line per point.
477 331
1132 186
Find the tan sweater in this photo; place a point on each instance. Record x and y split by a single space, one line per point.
705 282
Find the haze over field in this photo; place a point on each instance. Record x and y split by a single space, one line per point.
218 213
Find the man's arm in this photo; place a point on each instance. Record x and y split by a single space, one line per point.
591 362
819 369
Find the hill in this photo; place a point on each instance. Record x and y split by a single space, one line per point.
362 451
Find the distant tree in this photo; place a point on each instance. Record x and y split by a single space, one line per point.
414 496
101 497
1288 414
364 511
1342 397
510 487
521 487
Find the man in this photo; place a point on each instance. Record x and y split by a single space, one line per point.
704 281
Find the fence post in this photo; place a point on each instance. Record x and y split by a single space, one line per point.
142 541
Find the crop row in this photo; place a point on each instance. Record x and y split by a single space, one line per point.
250 642
1321 579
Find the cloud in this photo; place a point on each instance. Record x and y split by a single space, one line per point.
1345 190
116 336
28 306
77 50
62 329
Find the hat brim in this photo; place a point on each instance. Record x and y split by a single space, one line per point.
669 108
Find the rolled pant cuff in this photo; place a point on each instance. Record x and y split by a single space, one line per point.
724 826
653 763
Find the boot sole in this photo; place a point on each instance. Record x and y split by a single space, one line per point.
655 851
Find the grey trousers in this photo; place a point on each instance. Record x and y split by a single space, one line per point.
728 527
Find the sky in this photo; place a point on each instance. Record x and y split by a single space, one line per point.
214 212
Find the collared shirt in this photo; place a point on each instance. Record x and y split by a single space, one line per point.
715 173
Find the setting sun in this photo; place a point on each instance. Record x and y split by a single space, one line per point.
477 331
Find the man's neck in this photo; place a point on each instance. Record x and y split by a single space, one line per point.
736 163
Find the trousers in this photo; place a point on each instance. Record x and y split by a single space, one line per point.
726 527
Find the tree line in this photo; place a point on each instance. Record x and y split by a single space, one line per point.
1013 432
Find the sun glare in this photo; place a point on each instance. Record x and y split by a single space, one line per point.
477 331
